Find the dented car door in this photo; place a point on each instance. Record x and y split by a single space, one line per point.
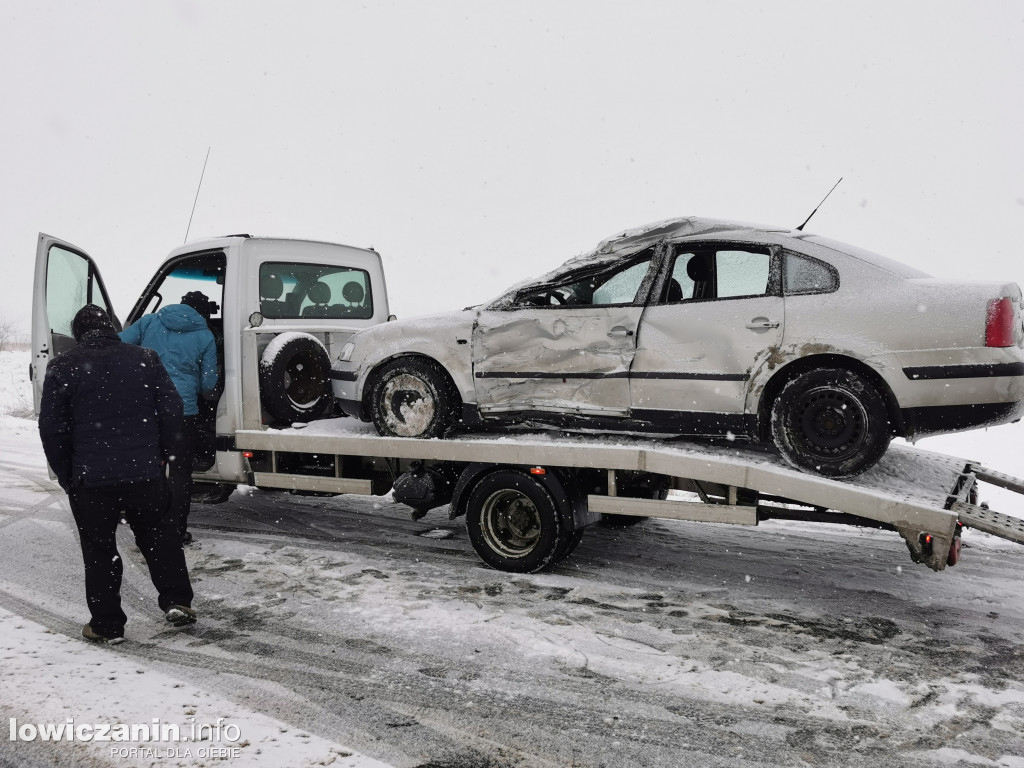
565 346
718 313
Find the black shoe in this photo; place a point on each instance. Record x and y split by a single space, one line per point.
186 538
95 637
180 615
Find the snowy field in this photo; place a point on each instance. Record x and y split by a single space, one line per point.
336 631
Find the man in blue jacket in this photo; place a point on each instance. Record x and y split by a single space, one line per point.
110 421
178 333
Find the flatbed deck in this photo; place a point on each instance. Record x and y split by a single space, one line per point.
925 496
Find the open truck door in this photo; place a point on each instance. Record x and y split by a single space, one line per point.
66 279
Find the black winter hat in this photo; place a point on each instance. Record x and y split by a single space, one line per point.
199 302
90 318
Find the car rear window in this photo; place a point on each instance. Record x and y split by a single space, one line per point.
882 262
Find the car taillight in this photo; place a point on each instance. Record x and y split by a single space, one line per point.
999 323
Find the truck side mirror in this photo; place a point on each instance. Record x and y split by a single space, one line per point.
255 320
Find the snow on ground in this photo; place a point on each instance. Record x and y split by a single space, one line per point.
52 679
665 644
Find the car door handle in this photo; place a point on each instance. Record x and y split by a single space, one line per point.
761 324
620 332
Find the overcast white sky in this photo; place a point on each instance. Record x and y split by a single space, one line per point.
478 143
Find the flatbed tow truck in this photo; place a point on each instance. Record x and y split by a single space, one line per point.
528 497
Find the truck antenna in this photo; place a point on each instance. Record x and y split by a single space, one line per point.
200 186
801 227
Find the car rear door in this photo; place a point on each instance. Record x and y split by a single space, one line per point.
713 323
66 279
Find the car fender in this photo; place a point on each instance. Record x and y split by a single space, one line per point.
445 339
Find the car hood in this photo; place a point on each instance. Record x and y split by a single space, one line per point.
443 328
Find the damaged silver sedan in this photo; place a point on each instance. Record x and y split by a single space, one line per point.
701 327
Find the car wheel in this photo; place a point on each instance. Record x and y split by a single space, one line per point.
515 525
831 421
413 397
294 378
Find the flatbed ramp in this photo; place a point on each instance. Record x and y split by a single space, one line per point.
926 497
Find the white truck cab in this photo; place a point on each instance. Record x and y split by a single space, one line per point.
291 303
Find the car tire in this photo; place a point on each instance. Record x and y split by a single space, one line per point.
515 525
831 421
413 397
295 379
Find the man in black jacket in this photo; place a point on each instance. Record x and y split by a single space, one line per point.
110 421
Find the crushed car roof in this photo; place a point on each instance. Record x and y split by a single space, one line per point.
686 226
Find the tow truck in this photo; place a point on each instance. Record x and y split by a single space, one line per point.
527 497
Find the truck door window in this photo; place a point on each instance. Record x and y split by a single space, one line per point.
290 290
70 285
202 272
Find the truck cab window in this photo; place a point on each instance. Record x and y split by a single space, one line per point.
290 290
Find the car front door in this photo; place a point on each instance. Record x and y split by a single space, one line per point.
563 347
717 315
66 279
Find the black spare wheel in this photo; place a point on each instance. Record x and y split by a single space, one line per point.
295 380
831 421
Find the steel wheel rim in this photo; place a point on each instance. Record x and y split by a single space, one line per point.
510 523
409 405
830 423
302 388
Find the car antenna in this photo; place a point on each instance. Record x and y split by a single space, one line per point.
801 227
200 186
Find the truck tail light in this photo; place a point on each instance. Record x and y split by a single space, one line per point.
999 323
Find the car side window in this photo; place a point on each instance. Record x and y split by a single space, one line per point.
718 274
290 290
620 285
804 275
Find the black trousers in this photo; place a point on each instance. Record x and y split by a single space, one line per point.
180 474
144 505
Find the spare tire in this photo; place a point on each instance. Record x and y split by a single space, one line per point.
295 382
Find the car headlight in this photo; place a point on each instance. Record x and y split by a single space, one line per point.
346 352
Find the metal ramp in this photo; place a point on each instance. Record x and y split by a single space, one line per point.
972 515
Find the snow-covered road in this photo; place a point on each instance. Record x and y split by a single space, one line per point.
337 629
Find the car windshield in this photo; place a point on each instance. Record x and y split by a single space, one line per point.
882 262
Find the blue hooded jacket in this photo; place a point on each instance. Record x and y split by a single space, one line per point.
178 334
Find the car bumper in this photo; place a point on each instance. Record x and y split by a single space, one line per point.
344 385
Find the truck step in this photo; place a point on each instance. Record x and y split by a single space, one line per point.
989 521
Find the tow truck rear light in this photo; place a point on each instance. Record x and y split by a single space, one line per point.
538 471
999 323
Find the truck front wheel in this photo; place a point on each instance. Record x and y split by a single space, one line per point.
515 525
